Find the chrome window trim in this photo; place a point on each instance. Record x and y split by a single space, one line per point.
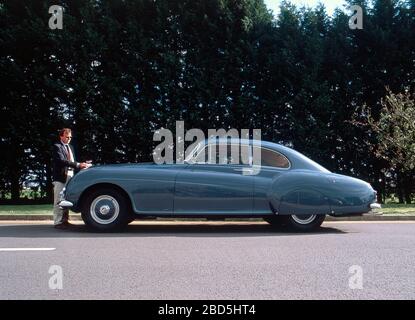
250 165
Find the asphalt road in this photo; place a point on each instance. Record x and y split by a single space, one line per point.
208 260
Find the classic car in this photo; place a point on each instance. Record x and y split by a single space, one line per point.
285 188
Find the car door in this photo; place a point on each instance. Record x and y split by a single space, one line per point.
273 165
205 187
152 187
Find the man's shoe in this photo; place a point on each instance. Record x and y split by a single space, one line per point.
61 226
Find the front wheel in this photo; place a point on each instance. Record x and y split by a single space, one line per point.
106 209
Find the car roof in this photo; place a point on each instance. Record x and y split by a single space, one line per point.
297 159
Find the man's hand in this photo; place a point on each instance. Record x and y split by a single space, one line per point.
84 165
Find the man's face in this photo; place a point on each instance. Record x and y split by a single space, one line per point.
66 137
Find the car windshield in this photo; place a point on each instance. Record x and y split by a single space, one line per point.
191 156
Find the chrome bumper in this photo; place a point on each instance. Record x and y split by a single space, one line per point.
375 206
65 204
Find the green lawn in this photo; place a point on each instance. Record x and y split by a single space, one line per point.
403 209
397 209
27 209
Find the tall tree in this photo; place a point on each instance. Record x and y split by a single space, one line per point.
395 133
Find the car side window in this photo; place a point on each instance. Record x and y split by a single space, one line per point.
217 157
273 159
203 156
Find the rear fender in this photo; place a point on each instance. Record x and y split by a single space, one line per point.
299 192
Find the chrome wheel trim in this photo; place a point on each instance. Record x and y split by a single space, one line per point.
304 219
111 208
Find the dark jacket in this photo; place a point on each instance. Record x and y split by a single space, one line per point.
61 162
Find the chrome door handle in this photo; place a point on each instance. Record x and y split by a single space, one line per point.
243 169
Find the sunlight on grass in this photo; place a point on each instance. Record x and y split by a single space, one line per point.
402 209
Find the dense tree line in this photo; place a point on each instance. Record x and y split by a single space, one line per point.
118 70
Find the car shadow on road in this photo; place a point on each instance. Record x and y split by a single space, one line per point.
160 230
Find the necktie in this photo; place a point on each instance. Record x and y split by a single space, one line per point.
68 153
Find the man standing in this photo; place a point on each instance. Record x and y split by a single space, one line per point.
64 165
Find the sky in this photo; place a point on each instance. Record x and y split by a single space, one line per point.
329 4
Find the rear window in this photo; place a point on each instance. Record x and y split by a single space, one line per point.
273 159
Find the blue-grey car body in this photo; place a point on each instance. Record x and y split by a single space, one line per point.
194 189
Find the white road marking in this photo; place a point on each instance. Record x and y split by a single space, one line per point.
27 249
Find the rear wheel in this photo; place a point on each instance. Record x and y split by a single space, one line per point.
303 223
106 209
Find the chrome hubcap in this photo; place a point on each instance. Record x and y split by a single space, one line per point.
104 209
304 218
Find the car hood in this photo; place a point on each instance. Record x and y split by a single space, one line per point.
121 165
